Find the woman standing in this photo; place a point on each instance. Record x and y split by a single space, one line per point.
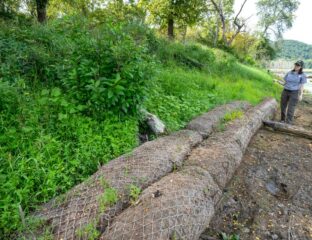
292 88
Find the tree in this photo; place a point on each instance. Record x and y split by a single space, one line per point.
244 45
264 50
276 16
41 10
224 10
170 12
114 8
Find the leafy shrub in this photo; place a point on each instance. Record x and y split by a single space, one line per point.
64 90
102 66
8 97
48 146
109 72
249 60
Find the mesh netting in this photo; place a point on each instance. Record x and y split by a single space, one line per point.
181 204
221 154
205 123
175 207
75 211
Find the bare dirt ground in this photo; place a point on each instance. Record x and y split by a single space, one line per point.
270 195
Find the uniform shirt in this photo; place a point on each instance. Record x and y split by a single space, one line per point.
294 80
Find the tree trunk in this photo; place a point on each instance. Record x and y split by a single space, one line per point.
224 31
216 36
184 32
282 127
219 9
84 10
42 10
170 28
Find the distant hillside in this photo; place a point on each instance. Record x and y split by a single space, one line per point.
291 49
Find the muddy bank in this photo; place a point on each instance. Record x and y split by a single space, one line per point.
270 196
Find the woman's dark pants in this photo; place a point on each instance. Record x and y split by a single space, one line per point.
289 102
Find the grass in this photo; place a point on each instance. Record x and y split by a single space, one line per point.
224 236
108 198
180 94
230 116
134 193
89 231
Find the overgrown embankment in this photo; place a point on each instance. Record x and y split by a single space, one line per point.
70 92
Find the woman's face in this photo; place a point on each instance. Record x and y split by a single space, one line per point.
297 68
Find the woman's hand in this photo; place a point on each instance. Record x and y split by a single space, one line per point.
301 92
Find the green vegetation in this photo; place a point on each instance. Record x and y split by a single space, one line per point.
232 116
224 236
71 91
58 123
276 16
219 83
291 49
227 118
89 231
134 193
109 197
31 226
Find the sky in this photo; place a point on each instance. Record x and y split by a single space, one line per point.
301 29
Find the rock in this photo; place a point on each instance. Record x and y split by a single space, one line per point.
156 125
153 122
274 237
272 188
143 138
231 202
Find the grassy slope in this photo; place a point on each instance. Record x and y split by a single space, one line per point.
180 94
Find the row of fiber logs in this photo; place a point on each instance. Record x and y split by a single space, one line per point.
74 211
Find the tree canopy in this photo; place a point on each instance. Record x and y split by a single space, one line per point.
276 16
169 12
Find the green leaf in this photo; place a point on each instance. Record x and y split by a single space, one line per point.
62 116
56 92
44 92
110 94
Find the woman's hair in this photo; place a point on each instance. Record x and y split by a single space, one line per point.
300 70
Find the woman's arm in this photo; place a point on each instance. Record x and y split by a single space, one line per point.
300 92
303 80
